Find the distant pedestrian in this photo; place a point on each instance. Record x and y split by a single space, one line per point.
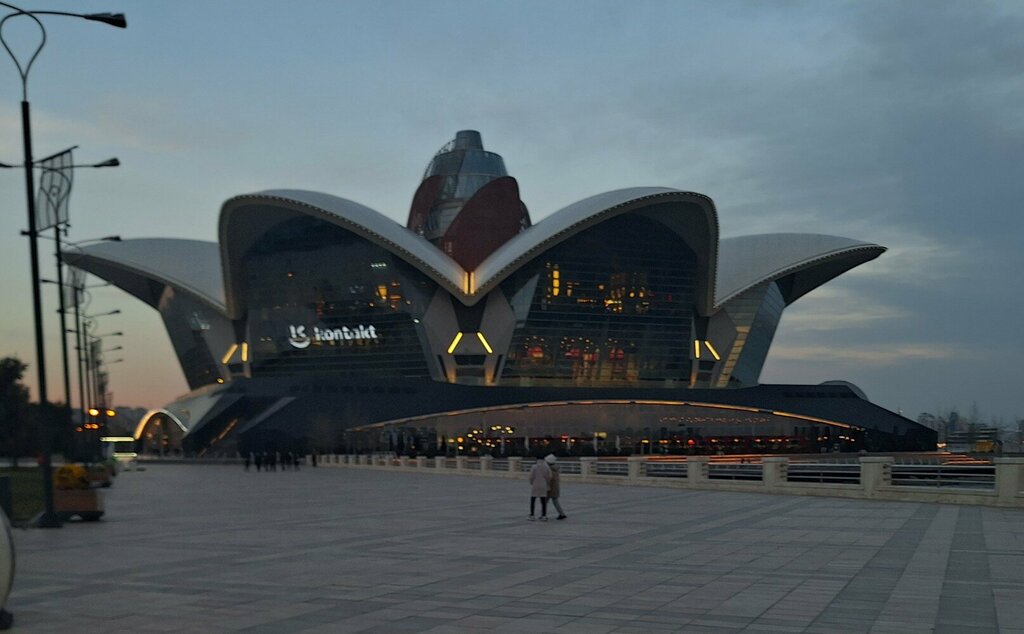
248 457
555 486
258 459
540 479
314 458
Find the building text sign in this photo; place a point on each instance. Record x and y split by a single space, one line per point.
301 337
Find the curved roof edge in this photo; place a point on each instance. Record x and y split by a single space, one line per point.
141 426
586 213
190 266
361 220
746 261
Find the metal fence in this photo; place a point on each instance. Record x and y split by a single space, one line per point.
612 468
667 469
824 473
945 476
747 472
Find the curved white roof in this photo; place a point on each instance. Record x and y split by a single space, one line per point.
277 205
191 266
746 261
694 219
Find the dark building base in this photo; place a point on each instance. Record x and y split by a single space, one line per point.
425 416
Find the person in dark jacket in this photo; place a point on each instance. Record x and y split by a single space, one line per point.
540 478
555 485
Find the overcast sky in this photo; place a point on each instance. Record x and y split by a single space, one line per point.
899 123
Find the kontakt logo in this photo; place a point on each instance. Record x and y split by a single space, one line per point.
299 338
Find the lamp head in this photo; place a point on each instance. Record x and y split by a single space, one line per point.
113 19
110 162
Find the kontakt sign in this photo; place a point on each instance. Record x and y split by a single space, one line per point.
303 336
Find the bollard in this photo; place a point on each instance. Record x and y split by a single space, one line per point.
514 465
1008 478
421 462
486 463
635 464
697 469
773 472
875 474
439 462
588 467
460 463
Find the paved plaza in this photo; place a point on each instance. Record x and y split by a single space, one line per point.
188 548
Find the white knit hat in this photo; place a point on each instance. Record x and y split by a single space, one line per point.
550 458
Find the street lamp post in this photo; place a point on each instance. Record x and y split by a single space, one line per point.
49 518
55 201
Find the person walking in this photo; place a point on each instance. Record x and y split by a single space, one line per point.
555 485
540 479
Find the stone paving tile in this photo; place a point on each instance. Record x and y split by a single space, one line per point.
188 548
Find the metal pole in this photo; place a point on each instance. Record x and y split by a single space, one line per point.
49 518
63 331
78 347
80 369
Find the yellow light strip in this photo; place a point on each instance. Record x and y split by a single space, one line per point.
696 348
245 351
230 353
487 346
518 406
816 420
712 350
455 342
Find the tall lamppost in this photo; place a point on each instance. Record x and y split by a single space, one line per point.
54 191
48 519
79 288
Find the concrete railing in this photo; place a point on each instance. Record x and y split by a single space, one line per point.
872 477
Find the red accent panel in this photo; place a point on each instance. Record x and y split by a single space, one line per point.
492 217
422 201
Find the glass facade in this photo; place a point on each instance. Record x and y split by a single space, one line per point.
193 327
758 334
612 305
324 300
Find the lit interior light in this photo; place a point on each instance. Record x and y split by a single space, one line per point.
455 342
487 346
230 353
245 352
712 350
696 348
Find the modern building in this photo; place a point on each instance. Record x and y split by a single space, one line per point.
619 323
